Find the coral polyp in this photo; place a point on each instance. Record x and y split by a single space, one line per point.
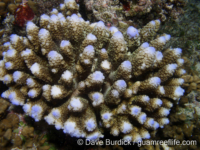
83 77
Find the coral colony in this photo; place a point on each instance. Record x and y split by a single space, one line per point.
84 77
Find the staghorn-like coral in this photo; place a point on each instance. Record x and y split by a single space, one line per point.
84 77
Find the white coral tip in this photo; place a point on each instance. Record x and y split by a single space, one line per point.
132 32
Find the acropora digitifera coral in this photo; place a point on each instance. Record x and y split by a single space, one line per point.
84 77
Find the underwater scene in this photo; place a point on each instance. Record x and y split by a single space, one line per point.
99 75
